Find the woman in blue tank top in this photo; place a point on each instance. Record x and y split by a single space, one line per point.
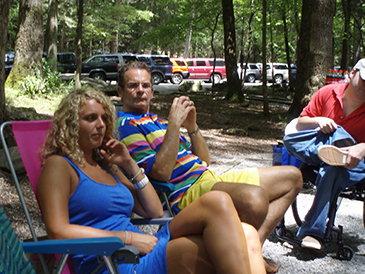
84 194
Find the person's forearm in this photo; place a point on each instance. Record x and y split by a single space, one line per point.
72 231
306 122
199 147
165 159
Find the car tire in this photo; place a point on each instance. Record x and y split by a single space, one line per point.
217 78
98 76
176 78
278 79
156 78
251 78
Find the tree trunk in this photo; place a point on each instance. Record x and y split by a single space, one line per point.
52 32
212 43
188 40
346 4
28 44
234 88
114 42
63 36
314 51
80 12
4 15
264 69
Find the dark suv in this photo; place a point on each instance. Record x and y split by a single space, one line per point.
160 65
105 66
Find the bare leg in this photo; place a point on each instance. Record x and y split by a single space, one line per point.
224 248
254 249
251 202
282 184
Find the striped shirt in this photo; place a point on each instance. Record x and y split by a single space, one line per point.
143 134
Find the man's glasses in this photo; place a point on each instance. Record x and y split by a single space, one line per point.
134 86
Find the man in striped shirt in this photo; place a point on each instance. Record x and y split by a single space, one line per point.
261 195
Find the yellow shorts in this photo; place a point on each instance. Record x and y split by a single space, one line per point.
208 179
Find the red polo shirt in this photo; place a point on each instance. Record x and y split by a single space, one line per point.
328 102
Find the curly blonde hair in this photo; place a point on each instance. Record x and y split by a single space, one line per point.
64 136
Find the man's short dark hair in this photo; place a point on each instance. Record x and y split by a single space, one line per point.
132 65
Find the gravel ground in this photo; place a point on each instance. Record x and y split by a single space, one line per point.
294 259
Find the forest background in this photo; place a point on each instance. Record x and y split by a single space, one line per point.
313 34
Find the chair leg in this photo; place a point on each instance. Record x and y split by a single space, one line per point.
363 214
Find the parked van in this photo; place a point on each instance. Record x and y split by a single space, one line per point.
202 68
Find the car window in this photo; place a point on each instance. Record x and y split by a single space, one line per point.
253 67
200 63
96 59
218 63
66 58
111 59
180 63
127 59
281 66
190 63
144 59
161 60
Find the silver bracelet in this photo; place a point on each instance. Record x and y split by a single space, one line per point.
142 183
135 176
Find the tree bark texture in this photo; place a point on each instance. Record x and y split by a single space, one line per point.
314 51
78 44
52 32
4 20
264 61
234 87
29 43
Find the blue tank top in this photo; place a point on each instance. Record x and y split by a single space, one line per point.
108 207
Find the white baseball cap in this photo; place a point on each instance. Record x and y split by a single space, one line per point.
360 66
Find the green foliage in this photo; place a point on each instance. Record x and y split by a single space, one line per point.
51 83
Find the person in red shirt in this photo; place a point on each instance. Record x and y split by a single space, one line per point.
330 133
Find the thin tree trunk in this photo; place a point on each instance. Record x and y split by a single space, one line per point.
188 40
346 4
4 20
212 43
28 44
80 12
52 32
264 69
63 35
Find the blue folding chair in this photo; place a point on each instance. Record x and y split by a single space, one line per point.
13 258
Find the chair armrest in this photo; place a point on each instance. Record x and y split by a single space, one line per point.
162 186
155 221
89 246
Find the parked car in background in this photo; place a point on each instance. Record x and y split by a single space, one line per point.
277 72
253 73
293 71
202 68
105 66
66 62
9 60
160 65
180 70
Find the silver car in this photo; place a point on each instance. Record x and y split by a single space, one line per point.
253 73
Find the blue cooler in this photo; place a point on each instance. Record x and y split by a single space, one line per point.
281 157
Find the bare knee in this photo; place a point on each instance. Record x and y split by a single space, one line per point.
252 205
295 179
217 202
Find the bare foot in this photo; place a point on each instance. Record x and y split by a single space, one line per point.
271 267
